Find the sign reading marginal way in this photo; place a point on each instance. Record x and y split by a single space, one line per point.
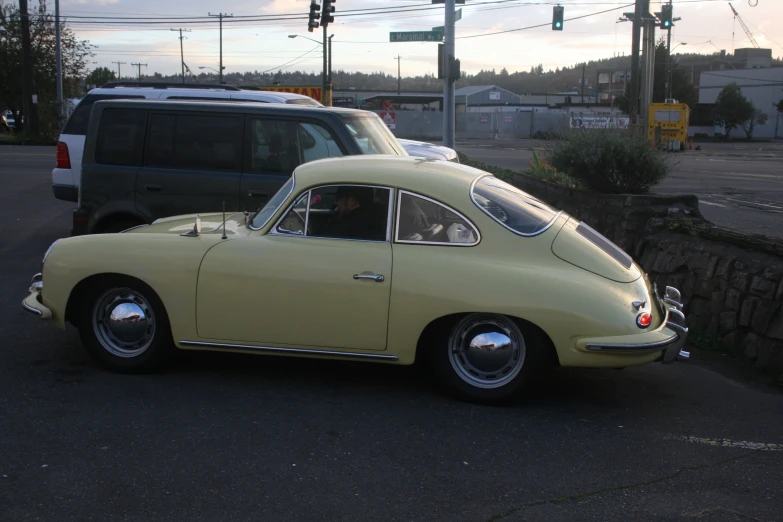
416 36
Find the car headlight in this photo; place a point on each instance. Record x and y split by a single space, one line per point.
48 250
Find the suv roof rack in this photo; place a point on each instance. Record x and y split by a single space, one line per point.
168 85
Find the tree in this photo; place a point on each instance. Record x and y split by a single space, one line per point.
758 118
682 89
100 76
732 109
75 53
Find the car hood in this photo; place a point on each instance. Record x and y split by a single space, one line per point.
211 223
578 244
428 150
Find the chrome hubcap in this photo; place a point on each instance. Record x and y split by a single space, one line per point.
486 351
123 322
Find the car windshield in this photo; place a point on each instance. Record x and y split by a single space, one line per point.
371 135
514 209
263 216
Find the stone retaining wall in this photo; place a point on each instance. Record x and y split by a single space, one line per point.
731 283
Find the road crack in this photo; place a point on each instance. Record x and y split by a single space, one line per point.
586 494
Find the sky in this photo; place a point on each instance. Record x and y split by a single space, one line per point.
361 43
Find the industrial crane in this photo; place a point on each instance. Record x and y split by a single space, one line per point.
744 27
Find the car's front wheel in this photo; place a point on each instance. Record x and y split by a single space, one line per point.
123 325
487 357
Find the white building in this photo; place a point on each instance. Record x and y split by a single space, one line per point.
764 87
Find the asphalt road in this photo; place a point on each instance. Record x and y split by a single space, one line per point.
221 437
739 185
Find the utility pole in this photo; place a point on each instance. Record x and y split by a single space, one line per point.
329 75
633 112
59 67
119 73
583 82
220 17
139 66
648 53
29 97
325 52
182 51
399 78
448 81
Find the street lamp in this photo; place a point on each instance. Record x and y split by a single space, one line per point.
210 68
305 37
671 68
324 74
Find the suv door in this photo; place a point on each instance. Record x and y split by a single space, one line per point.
192 163
274 147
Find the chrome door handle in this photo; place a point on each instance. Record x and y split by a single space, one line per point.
378 278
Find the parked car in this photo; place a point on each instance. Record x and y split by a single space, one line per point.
443 263
7 121
429 150
147 159
66 176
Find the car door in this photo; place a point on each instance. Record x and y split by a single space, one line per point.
274 147
294 287
192 163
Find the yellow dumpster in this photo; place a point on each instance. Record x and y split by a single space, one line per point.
667 125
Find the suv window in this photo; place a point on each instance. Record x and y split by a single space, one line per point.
423 220
279 146
80 119
120 137
198 142
340 211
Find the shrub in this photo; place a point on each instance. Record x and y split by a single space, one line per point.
539 168
609 160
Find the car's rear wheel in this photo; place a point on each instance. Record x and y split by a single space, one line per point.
486 357
124 327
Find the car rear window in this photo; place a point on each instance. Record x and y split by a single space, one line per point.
516 210
80 119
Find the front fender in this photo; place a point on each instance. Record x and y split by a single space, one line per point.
167 263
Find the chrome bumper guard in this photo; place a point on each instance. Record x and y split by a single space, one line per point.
32 303
672 347
671 304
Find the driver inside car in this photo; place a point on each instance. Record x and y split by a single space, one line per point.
356 218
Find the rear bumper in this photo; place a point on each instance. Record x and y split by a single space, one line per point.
32 303
66 192
669 339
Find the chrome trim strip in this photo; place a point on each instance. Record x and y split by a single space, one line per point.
31 309
633 347
437 243
36 278
554 219
133 228
277 349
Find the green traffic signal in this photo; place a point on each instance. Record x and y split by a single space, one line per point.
557 18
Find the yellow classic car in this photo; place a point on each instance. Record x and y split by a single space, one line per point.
384 259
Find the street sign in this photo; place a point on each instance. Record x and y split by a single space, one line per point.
440 29
458 15
444 1
416 36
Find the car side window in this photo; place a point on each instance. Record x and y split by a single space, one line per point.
80 118
425 221
198 142
120 137
356 212
279 146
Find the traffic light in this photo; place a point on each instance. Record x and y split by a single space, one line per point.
326 17
557 18
666 16
314 16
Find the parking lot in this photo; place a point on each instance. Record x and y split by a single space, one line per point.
229 437
739 185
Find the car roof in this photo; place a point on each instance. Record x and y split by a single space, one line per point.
446 181
228 105
127 89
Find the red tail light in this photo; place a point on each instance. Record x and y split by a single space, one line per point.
643 320
63 158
